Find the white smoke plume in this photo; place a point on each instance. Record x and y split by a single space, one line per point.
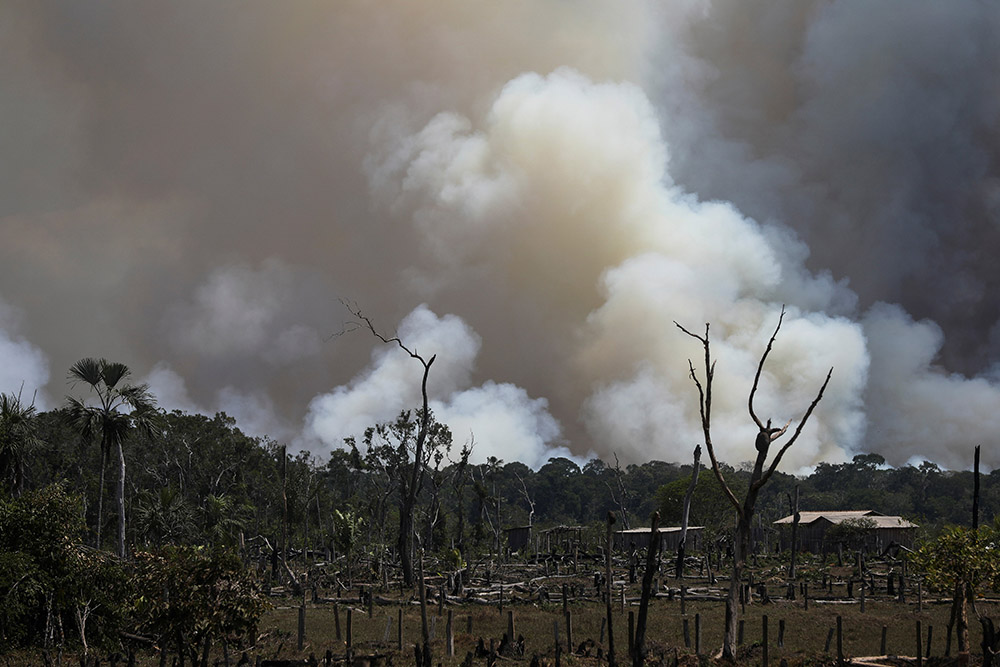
499 420
565 180
24 369
588 160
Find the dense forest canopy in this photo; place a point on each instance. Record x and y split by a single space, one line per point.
205 506
200 479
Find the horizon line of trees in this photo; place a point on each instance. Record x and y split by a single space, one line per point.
199 479
189 481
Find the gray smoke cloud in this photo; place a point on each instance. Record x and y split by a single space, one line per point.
192 189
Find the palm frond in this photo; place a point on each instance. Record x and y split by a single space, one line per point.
82 418
86 370
137 396
113 372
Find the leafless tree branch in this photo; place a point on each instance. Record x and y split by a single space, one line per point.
705 407
798 430
760 368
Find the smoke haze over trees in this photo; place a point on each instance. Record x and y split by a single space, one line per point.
192 187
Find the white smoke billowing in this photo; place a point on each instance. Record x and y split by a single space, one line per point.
24 369
501 420
924 412
563 180
588 160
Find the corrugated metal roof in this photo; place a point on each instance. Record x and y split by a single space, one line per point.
665 529
837 516
831 516
892 522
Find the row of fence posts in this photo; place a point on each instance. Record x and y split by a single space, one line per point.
568 621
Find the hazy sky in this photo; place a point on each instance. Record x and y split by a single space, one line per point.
533 190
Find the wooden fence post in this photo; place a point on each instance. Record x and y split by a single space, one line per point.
302 625
920 657
697 634
763 640
631 632
451 635
840 641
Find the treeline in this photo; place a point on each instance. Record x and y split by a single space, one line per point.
199 480
112 511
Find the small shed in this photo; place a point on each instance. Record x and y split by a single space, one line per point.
670 537
813 527
518 537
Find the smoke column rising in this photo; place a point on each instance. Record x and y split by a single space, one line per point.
191 188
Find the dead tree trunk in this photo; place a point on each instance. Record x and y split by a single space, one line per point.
639 644
761 471
795 532
609 588
619 494
682 545
409 494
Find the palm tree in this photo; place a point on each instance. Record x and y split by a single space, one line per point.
224 520
163 517
17 436
120 409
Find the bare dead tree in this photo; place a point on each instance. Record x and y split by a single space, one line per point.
687 511
410 487
609 588
766 435
618 494
793 507
486 491
652 555
528 499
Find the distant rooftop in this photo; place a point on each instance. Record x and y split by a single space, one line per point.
664 529
838 516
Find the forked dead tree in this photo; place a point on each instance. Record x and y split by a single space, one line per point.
762 472
410 484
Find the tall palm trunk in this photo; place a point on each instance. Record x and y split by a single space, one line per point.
120 501
100 494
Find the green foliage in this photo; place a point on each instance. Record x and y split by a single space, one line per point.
46 571
163 517
195 595
18 435
346 530
709 506
960 556
852 533
224 519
